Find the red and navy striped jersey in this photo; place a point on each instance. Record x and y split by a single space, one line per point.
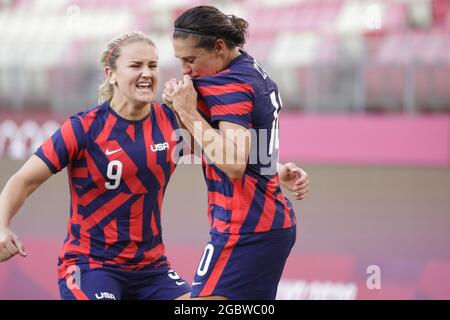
118 172
245 95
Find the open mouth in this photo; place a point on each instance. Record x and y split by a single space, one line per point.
144 86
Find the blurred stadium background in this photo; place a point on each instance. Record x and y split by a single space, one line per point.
366 92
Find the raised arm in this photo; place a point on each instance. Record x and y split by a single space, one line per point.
167 99
220 146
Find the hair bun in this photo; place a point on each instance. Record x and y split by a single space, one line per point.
240 25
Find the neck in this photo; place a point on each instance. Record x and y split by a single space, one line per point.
233 55
129 110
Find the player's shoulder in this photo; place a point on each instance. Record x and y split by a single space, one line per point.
163 111
161 108
246 68
252 71
86 117
92 111
242 70
158 107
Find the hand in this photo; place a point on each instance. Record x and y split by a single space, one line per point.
184 96
168 91
295 180
10 245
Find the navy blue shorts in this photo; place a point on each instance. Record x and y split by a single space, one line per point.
108 283
245 266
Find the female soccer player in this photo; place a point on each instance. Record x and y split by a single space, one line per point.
119 162
233 115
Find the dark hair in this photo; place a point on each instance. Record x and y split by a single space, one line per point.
208 23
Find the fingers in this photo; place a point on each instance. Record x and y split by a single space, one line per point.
10 245
294 173
8 248
167 97
11 248
297 176
4 254
302 174
301 185
171 89
303 178
170 85
174 84
168 91
183 87
19 245
301 193
188 81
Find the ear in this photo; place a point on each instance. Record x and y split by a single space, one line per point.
219 46
111 75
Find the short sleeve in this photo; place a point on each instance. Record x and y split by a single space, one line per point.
64 145
229 98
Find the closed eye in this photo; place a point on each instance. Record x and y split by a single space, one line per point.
137 66
190 59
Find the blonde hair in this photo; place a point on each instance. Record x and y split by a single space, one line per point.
110 55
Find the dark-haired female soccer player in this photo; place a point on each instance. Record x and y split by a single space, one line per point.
233 114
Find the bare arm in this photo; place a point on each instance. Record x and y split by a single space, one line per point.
167 98
18 188
221 146
228 148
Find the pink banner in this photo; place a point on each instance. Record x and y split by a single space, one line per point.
306 276
314 139
366 139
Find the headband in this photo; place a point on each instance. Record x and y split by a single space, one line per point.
193 32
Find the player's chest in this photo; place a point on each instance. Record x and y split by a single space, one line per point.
143 152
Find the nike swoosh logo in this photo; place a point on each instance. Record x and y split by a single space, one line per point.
179 283
196 283
108 153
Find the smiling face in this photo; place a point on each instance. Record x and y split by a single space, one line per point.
196 61
135 76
